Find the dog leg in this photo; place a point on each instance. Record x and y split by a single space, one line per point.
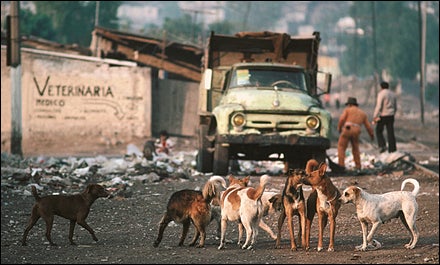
49 223
199 231
249 236
186 224
322 221
291 231
240 232
374 227
88 228
266 228
410 223
310 214
331 246
166 219
223 232
281 219
32 221
364 226
71 229
196 236
302 230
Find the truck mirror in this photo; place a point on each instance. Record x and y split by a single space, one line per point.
324 81
207 79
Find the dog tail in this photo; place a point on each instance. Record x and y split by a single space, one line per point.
415 184
256 194
35 193
211 189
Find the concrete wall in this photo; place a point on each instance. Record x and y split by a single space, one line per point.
77 104
175 106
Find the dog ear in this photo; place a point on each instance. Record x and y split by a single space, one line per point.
246 180
310 166
230 178
357 191
322 169
275 198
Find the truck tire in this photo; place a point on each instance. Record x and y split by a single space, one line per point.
221 160
204 156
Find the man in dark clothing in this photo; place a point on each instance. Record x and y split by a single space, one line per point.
383 116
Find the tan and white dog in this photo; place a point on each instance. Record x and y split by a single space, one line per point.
271 201
242 204
379 208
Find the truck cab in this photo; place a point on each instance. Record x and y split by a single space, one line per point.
261 109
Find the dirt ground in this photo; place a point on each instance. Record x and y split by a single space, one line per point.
127 226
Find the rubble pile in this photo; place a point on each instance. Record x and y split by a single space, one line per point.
119 174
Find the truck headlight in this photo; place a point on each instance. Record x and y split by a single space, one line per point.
238 120
312 122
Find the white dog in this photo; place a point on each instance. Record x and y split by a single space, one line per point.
243 204
271 202
379 208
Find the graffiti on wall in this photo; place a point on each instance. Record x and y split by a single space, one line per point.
97 98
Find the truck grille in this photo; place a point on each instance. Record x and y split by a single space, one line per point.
268 123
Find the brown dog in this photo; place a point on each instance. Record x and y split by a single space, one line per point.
73 207
293 204
323 200
186 206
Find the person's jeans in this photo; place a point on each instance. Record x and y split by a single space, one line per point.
388 122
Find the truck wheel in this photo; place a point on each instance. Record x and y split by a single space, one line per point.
204 156
221 160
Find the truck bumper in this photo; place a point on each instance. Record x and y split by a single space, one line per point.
274 139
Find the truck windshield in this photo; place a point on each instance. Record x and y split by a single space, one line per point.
281 78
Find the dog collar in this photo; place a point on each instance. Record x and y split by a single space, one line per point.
334 197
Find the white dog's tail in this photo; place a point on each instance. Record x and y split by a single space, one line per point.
211 189
415 184
255 194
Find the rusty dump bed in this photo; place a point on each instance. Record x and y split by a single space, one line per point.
225 50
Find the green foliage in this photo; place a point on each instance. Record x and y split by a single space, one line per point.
397 39
73 21
38 25
183 28
224 27
253 15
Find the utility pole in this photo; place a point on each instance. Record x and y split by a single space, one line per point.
422 16
373 18
196 12
96 25
13 60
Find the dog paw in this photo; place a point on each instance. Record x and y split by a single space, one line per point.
360 248
320 249
330 250
247 247
409 246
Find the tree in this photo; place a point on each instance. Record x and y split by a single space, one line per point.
398 42
73 21
39 25
182 29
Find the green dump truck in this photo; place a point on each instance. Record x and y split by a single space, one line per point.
259 100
